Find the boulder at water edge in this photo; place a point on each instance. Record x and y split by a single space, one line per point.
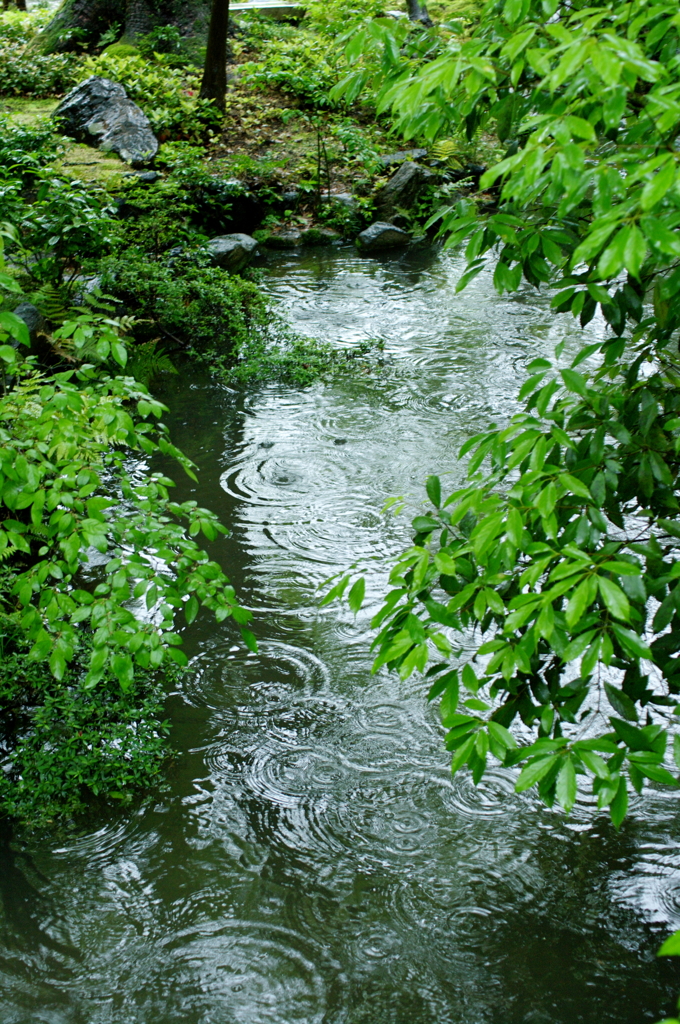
99 112
33 319
382 236
403 189
233 252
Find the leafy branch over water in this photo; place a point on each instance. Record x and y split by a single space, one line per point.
558 559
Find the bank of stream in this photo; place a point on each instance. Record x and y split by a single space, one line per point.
314 862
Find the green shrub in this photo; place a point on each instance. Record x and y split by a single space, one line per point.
334 17
155 219
162 39
305 67
189 205
25 149
66 222
65 743
223 321
19 26
211 312
24 72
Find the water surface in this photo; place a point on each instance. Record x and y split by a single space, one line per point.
314 862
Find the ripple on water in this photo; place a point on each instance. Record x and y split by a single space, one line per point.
249 973
319 805
229 679
494 797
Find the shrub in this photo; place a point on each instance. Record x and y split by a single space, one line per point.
25 149
20 27
66 743
224 321
334 17
189 201
66 222
162 39
303 67
209 311
27 73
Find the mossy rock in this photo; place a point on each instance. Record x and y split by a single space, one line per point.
319 236
121 50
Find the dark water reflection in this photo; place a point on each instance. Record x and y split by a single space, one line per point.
315 863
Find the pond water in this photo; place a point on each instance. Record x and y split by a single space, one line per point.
314 862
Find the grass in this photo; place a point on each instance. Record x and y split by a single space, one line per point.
25 110
87 164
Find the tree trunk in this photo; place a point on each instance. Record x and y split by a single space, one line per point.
139 19
214 82
79 22
418 13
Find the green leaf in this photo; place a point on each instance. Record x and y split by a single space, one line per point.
441 683
619 805
571 483
57 663
635 251
660 185
470 680
671 946
485 532
632 643
565 789
425 524
501 735
123 670
574 382
119 353
515 526
249 639
445 563
462 754
578 602
534 772
614 598
621 702
191 609
434 490
594 762
355 598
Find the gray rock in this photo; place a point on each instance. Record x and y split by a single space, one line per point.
382 236
344 198
233 252
33 319
401 155
99 112
403 189
147 177
284 239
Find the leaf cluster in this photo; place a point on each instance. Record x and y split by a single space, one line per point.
557 562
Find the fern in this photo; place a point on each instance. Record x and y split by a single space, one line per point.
146 361
446 150
51 301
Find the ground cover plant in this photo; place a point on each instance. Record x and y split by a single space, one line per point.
557 560
23 72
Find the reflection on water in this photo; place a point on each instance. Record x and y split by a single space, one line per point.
314 862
